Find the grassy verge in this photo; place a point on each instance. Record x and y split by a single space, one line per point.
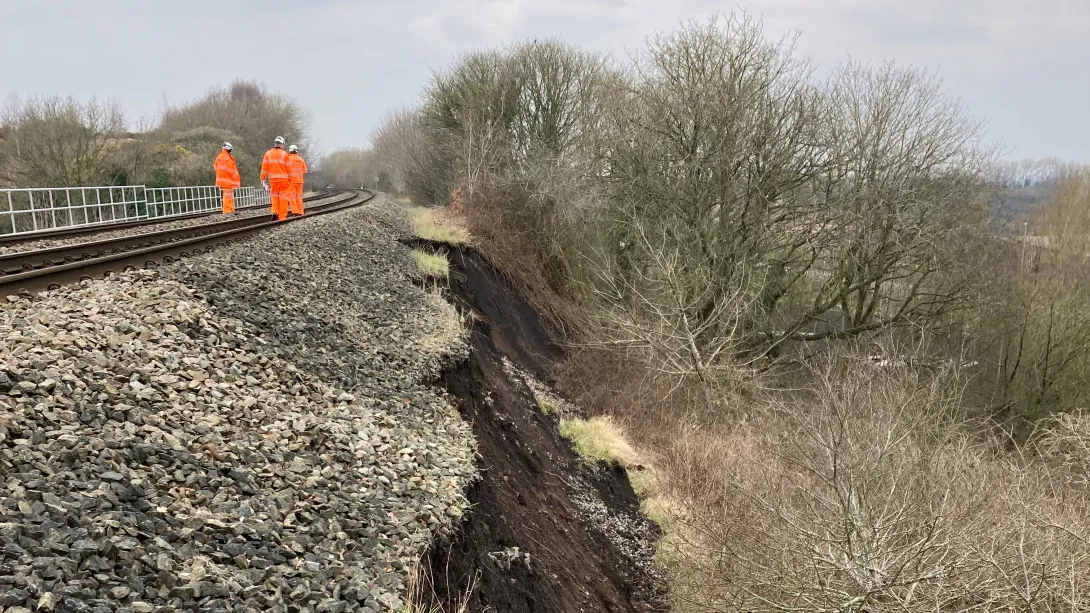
432 264
437 225
599 439
602 439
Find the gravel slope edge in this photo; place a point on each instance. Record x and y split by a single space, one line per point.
247 430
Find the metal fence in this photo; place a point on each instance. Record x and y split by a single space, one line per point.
251 197
31 210
174 201
26 211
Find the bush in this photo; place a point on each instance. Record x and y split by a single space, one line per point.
867 497
52 141
785 288
244 113
160 177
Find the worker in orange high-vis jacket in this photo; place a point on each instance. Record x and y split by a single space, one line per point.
276 170
298 169
227 177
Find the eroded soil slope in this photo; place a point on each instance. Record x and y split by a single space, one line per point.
588 547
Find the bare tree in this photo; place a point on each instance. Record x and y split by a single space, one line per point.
856 197
244 111
647 314
415 156
53 141
717 142
1033 332
350 167
393 142
902 193
468 111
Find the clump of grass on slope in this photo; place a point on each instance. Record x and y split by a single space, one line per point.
435 225
599 438
432 264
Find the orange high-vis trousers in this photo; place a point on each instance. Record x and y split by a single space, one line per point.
280 198
228 200
297 198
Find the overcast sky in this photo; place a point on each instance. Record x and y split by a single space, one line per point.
1023 65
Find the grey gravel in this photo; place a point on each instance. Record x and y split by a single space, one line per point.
250 430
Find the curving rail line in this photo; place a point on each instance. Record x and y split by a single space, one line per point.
109 227
30 271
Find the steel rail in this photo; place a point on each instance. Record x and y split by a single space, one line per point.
14 263
46 277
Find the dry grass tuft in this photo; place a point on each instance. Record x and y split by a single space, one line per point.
600 439
432 264
417 594
438 225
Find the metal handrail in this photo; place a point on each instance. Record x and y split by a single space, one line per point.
25 211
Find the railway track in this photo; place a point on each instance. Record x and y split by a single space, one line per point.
62 233
30 271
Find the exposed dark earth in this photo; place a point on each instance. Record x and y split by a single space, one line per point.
589 548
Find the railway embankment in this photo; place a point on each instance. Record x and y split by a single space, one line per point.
301 421
253 429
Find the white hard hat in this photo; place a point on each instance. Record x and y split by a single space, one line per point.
293 149
227 146
279 140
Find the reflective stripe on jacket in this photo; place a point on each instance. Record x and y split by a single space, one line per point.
226 171
275 165
298 167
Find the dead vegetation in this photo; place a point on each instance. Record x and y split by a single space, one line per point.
420 595
599 440
50 141
55 141
439 225
783 291
870 496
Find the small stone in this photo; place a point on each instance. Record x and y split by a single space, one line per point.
85 546
47 602
12 597
120 592
139 606
332 606
127 543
